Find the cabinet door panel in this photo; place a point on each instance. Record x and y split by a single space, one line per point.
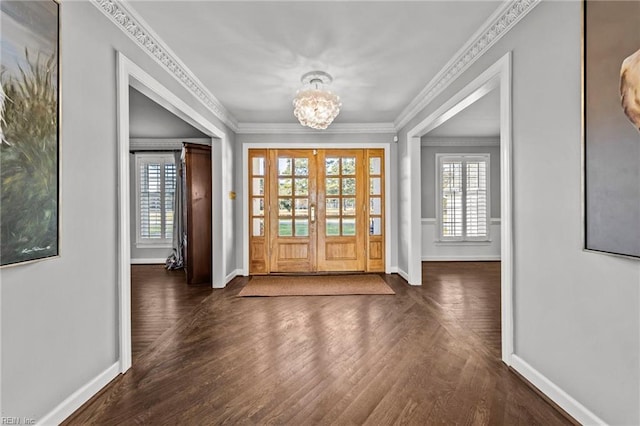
198 213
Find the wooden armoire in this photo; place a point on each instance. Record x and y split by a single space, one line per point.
197 212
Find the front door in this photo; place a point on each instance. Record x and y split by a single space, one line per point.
293 210
312 210
341 230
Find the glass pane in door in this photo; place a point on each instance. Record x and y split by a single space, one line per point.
332 166
340 190
284 166
301 167
258 186
302 227
293 201
375 166
302 186
349 226
348 166
258 166
284 228
333 227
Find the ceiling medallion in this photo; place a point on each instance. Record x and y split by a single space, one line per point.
315 106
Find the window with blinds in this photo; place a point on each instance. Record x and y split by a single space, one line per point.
463 197
156 188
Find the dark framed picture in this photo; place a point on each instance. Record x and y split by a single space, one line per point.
29 130
611 120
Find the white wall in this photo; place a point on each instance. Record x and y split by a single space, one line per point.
577 314
60 316
319 139
435 250
147 119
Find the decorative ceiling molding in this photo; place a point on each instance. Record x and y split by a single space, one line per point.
494 28
297 129
130 22
463 141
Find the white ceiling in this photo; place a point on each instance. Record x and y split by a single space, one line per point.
480 119
251 54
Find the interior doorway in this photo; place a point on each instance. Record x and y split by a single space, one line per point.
497 76
170 180
316 210
131 75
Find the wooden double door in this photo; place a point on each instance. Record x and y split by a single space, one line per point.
316 210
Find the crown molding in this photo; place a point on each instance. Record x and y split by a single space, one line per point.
297 129
129 21
121 13
462 141
508 14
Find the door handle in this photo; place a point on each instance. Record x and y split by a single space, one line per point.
312 213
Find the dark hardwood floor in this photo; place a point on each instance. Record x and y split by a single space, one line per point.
428 355
159 299
468 294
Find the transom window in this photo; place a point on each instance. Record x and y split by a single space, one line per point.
155 187
463 197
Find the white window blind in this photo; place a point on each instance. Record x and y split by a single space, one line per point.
156 185
463 197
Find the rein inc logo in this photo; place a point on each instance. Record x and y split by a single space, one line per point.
17 421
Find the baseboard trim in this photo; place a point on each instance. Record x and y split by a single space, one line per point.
460 258
403 274
392 270
558 396
151 261
79 397
232 275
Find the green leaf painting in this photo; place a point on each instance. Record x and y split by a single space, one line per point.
29 131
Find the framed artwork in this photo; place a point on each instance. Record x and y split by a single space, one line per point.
611 126
29 130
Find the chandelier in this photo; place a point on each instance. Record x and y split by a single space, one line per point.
315 106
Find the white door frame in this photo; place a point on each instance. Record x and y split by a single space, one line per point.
130 74
310 145
498 76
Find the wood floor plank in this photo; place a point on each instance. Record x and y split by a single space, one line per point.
428 355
